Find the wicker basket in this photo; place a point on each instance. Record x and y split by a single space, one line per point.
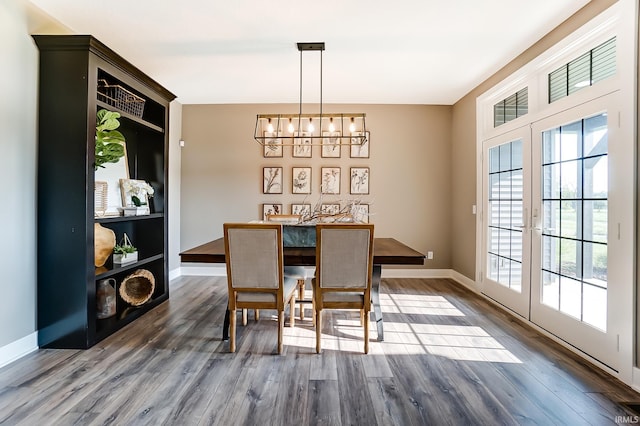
120 98
137 288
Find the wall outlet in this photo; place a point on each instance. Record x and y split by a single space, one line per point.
430 255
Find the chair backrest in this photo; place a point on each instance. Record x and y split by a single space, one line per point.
253 253
344 255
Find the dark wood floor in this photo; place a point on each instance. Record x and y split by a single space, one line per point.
448 357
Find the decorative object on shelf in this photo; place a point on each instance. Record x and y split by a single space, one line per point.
303 130
121 98
136 289
359 180
125 252
106 298
109 141
100 198
104 242
289 219
325 212
136 194
272 180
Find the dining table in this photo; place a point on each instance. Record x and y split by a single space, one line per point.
386 251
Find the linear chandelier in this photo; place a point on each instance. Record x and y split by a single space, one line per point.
311 129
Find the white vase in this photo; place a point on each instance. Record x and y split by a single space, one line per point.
125 257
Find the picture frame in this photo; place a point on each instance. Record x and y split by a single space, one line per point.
330 180
272 147
301 180
135 196
330 208
272 180
303 210
273 208
331 145
302 146
360 150
111 173
360 213
359 180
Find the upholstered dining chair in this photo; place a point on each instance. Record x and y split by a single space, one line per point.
344 266
255 273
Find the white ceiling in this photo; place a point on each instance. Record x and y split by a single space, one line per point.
243 51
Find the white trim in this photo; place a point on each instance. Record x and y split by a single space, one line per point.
199 270
636 379
21 347
416 273
174 273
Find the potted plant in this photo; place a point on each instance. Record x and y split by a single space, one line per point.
109 141
125 252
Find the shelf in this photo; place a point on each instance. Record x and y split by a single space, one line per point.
129 116
101 273
128 218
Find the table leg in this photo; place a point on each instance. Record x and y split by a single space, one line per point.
225 325
375 299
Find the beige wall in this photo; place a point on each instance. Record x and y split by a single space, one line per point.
463 168
410 181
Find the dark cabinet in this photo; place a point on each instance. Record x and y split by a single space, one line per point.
73 73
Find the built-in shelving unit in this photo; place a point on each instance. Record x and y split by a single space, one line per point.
71 70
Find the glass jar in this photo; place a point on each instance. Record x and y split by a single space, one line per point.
106 298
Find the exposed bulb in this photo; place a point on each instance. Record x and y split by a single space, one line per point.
290 128
270 127
352 126
311 127
332 128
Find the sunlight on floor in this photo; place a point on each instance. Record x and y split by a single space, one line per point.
457 342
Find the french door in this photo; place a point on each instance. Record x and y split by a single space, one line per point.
507 199
546 227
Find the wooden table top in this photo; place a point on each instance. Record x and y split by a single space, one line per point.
386 251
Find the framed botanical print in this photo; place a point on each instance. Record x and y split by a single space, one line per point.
272 145
359 180
302 145
360 213
271 209
359 147
301 180
331 144
333 208
303 210
330 183
272 180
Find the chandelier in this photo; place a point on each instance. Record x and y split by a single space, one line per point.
311 129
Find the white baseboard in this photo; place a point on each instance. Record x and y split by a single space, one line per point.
635 384
18 349
200 269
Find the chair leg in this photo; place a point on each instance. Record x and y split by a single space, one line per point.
301 285
366 331
256 314
244 316
361 317
232 330
318 316
280 330
292 311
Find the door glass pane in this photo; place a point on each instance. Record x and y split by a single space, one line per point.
575 220
505 214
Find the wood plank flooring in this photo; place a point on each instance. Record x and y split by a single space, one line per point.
449 358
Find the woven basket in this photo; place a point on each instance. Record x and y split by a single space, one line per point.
137 288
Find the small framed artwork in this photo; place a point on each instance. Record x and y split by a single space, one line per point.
302 145
303 210
330 208
331 144
272 145
360 147
301 180
272 180
330 180
359 180
271 209
360 213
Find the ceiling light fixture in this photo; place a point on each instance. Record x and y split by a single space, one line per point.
348 128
